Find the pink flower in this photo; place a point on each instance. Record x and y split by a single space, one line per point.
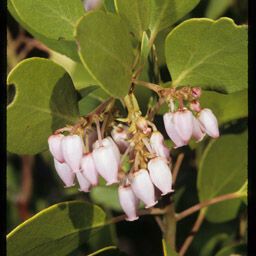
209 122
89 169
84 184
197 133
195 106
72 150
196 92
143 188
54 142
183 122
91 4
65 173
128 201
160 174
171 130
157 144
109 142
120 136
106 163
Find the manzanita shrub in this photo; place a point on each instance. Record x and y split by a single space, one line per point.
119 131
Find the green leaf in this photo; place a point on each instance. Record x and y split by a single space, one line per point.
57 230
168 250
45 100
223 170
217 8
108 251
165 13
52 18
238 249
106 196
109 6
210 54
243 191
87 105
136 15
66 47
226 107
106 51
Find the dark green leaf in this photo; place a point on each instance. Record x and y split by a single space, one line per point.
210 54
57 230
238 249
223 170
45 100
106 51
217 8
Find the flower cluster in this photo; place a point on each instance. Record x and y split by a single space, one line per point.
84 154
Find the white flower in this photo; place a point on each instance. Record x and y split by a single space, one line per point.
106 163
120 136
89 169
54 142
183 122
143 188
160 174
209 122
157 144
84 184
128 201
65 173
197 133
72 149
171 130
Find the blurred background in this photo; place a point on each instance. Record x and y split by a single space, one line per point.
33 185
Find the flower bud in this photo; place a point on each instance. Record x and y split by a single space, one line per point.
183 122
106 163
142 125
72 149
160 174
171 130
143 188
157 144
84 184
54 142
91 4
196 92
65 173
120 136
197 133
195 106
109 142
209 122
89 169
129 202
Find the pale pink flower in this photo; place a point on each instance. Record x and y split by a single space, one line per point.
65 173
209 122
54 142
157 144
106 163
183 122
72 150
89 169
91 4
120 136
160 174
171 130
84 184
143 188
128 201
197 133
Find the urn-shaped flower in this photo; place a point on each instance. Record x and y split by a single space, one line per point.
89 169
160 174
54 142
65 173
72 149
128 201
84 184
143 188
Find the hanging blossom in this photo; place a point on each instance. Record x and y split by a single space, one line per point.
100 144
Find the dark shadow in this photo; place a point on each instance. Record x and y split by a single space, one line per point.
11 92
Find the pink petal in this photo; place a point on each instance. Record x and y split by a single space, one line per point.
54 142
65 173
198 133
89 169
84 184
157 144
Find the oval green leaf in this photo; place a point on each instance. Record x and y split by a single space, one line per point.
210 54
165 13
106 51
52 18
223 170
136 15
45 100
57 230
